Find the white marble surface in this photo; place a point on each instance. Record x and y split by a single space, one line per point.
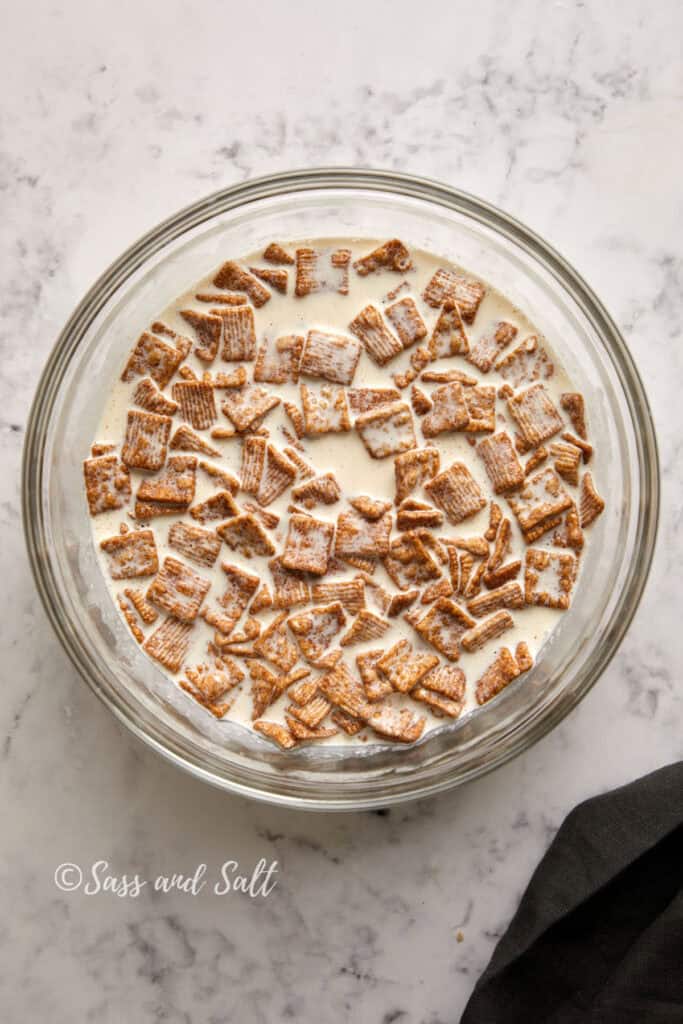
567 115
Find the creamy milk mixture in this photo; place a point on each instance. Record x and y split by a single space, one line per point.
343 454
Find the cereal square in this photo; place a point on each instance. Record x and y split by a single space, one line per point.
535 415
245 406
456 492
409 563
209 331
107 484
290 588
481 408
444 626
169 643
325 410
131 554
199 545
170 492
527 363
219 506
359 537
278 360
279 474
542 498
330 356
146 441
391 255
178 590
154 358
316 628
235 278
449 411
465 292
449 337
549 578
380 343
412 469
387 430
196 403
308 545
487 348
403 668
405 318
245 534
501 463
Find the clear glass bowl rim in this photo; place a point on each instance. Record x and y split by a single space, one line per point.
341 178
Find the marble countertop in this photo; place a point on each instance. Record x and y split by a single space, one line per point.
565 114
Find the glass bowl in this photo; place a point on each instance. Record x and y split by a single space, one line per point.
91 349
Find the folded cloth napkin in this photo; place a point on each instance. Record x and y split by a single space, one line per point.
598 936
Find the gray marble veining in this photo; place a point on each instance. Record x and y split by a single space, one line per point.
567 115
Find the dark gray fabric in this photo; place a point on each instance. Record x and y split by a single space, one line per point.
598 936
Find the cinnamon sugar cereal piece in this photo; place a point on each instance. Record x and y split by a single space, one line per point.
278 359
236 378
401 602
325 410
347 723
279 474
481 408
296 420
251 630
346 692
137 598
549 578
365 399
248 405
280 734
569 533
263 599
290 588
488 629
415 514
541 498
590 502
245 534
275 645
318 270
449 411
253 460
401 724
405 318
447 680
304 691
146 440
375 686
107 484
387 430
420 401
316 628
234 278
224 433
209 330
412 469
402 380
187 373
302 732
322 490
500 460
567 459
222 298
477 546
358 537
239 335
380 343
438 704
209 686
465 565
527 363
330 356
508 596
370 508
351 594
169 643
495 516
131 554
277 279
536 459
148 396
456 492
178 590
573 404
535 416
185 440
305 471
465 292
224 479
154 358
219 506
447 377
409 563
366 626
448 337
196 403
200 546
488 347
266 687
391 255
474 584
170 492
523 657
308 545
275 253
102 448
439 588
586 448
497 577
500 673
443 627
403 668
